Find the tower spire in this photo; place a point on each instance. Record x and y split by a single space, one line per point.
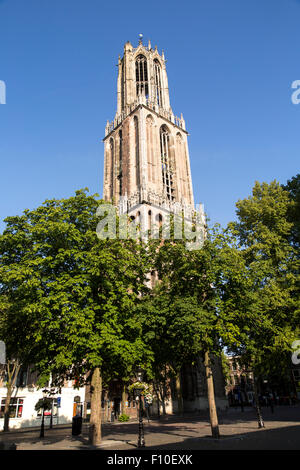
146 142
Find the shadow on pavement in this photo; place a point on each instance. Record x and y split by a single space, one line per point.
239 431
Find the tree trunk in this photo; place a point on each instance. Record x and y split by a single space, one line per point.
211 397
6 408
179 394
123 402
260 421
95 422
163 399
158 404
11 380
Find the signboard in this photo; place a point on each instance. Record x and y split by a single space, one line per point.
58 402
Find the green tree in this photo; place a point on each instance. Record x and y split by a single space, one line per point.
225 367
75 295
293 215
17 353
264 303
182 312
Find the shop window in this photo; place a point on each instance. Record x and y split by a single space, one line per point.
15 407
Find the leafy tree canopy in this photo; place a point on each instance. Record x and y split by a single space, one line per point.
68 296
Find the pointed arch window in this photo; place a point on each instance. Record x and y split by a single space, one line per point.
141 76
157 82
182 157
122 87
150 147
167 173
137 153
112 152
120 164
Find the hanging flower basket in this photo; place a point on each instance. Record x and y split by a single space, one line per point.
149 398
43 404
142 386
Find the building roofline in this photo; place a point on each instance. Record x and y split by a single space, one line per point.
140 105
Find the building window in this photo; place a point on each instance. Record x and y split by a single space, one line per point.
122 86
120 164
149 222
137 154
141 76
167 174
182 157
150 148
15 407
157 81
131 402
22 378
111 146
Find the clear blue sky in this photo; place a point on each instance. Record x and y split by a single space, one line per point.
230 66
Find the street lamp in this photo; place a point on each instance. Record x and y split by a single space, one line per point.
42 432
141 439
43 404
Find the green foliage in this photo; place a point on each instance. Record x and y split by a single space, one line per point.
68 299
240 290
225 366
123 417
179 317
83 303
143 386
293 215
265 303
43 404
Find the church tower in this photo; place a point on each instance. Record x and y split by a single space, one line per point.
146 163
147 171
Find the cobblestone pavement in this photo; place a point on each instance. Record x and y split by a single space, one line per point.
239 430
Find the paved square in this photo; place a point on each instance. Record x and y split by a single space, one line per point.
239 430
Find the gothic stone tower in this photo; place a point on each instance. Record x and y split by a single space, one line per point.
147 169
146 159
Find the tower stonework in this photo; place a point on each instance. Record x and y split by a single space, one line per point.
146 157
147 171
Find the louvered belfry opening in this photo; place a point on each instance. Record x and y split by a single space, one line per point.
141 76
